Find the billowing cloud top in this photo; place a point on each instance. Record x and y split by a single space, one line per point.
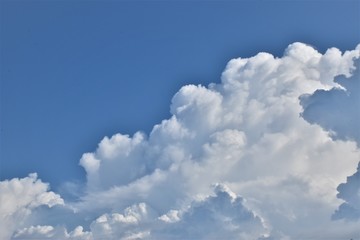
245 133
337 110
350 192
19 197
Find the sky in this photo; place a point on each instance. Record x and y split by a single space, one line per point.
179 119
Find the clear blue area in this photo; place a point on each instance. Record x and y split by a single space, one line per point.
73 72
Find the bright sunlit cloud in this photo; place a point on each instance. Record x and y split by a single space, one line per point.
263 154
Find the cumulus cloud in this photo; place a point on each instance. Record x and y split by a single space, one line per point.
239 131
19 197
50 232
221 216
134 223
350 193
245 132
337 110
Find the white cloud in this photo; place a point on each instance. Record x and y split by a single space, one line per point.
134 223
19 197
350 193
245 132
240 131
117 161
50 232
336 110
219 216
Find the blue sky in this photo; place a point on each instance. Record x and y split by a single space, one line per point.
77 76
74 72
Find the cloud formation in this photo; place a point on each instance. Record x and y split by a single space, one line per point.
50 232
222 216
245 133
337 110
19 197
350 193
